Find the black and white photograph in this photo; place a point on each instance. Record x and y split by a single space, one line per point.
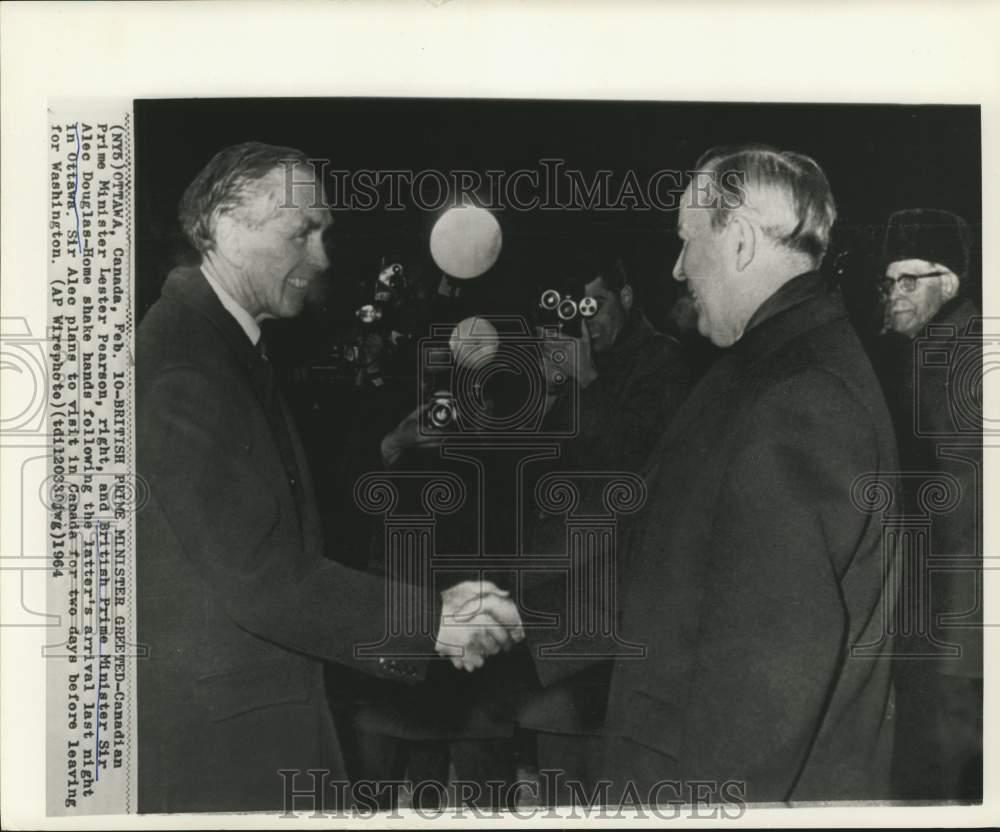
426 413
557 451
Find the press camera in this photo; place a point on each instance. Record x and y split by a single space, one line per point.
565 311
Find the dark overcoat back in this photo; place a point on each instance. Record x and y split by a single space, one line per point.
756 577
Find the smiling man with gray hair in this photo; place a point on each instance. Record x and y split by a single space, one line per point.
237 603
754 580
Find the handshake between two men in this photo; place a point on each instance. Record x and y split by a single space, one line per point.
478 619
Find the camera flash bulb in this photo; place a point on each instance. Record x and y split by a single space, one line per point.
588 307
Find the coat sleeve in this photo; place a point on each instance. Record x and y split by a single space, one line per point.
617 431
227 521
618 427
955 450
773 626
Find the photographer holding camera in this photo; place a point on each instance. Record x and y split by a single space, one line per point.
630 380
454 720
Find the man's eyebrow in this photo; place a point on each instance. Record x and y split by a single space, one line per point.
311 223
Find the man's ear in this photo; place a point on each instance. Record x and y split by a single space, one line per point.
627 297
229 237
744 240
949 284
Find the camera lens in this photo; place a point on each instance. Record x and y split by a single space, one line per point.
567 309
441 413
550 299
588 307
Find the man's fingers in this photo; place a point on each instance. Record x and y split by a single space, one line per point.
485 622
504 634
490 588
471 589
487 641
492 608
464 598
482 634
505 613
472 643
487 635
474 605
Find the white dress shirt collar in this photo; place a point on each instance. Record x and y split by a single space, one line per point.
243 318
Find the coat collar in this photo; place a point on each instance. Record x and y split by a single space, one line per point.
188 286
801 305
958 313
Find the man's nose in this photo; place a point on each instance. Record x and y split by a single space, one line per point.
679 270
317 253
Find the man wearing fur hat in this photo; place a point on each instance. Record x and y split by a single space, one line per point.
926 258
934 386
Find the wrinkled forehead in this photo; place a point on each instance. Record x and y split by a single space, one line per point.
690 218
912 266
295 194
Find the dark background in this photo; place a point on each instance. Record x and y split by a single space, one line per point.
879 158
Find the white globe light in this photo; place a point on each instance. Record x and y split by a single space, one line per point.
473 342
465 242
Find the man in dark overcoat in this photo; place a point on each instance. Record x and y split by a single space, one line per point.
237 604
755 578
629 380
932 371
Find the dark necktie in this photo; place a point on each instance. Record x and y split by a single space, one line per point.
277 415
